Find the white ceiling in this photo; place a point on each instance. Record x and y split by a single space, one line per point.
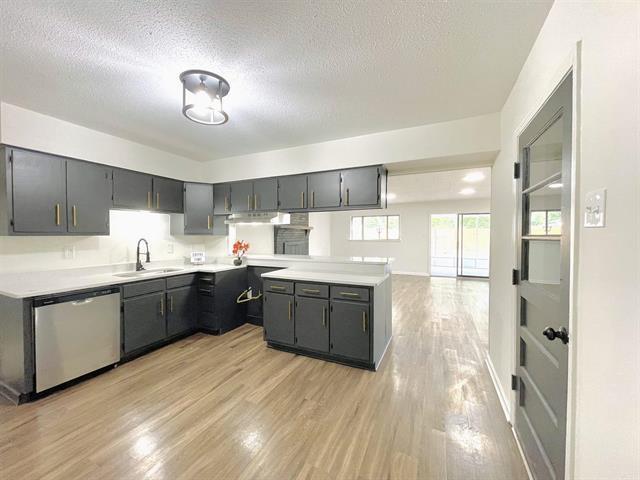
437 186
300 71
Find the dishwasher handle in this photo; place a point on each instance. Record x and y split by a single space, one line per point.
78 303
75 299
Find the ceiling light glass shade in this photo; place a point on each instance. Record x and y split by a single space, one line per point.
202 94
472 177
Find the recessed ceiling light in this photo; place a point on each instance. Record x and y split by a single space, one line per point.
467 191
555 185
202 94
473 177
391 196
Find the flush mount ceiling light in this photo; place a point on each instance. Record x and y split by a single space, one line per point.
473 177
202 94
467 191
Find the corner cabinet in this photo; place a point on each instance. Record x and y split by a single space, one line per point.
363 187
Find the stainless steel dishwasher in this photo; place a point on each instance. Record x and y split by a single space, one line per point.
76 334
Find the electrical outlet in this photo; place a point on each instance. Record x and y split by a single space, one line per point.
69 252
170 248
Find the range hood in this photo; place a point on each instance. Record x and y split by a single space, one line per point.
276 219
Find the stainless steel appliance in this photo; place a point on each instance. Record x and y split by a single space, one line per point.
76 334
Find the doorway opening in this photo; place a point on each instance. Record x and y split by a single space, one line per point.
460 244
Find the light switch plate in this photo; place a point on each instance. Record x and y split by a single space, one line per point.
595 206
69 252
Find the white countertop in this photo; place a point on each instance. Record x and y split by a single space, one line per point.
320 259
327 277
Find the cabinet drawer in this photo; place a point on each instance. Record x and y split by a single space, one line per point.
350 293
142 288
278 286
312 290
181 281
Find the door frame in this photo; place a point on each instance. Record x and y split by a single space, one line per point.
571 64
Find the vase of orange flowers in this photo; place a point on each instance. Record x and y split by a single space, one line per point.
239 249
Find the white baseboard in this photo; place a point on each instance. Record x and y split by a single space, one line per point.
496 384
417 274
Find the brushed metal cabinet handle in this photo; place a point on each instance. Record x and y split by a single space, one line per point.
248 202
226 203
277 287
57 212
310 290
324 316
349 294
289 312
347 197
171 303
255 201
208 222
148 199
74 215
301 199
162 307
313 199
158 200
364 321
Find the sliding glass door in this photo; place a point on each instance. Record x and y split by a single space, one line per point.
473 244
460 244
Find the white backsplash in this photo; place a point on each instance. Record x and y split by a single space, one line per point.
45 253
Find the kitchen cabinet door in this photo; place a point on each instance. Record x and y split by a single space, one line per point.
228 286
222 199
292 193
265 195
278 318
312 323
254 281
144 321
324 190
361 187
132 190
242 196
182 310
168 195
350 330
88 198
218 227
39 192
198 208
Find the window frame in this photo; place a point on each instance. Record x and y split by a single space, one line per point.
362 239
546 222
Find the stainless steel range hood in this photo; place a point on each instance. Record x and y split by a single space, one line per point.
273 218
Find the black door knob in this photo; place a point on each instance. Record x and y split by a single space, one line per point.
552 334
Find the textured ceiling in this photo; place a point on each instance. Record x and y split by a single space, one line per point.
300 71
436 186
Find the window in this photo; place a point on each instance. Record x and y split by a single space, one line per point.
545 222
378 227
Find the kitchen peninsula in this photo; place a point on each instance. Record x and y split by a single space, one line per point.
332 308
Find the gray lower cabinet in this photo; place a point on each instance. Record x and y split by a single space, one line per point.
312 323
132 190
168 195
265 195
350 328
38 193
143 321
182 310
292 192
198 208
88 198
279 318
361 187
222 199
324 190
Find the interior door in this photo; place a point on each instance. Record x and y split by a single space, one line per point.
473 244
543 289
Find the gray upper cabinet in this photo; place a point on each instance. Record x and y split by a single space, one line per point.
350 329
167 195
292 192
198 208
242 196
222 199
132 189
324 190
265 195
361 187
38 183
88 198
219 227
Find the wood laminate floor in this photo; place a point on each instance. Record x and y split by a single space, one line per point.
227 407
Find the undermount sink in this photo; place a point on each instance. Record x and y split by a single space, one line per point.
151 271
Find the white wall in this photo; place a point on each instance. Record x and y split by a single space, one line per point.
606 336
411 252
260 237
29 129
447 139
47 253
320 236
